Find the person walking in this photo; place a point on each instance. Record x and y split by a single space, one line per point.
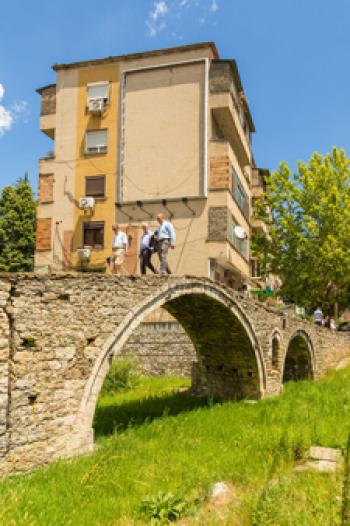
165 235
326 322
146 250
119 247
318 317
333 325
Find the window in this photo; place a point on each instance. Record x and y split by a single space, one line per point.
95 186
256 268
96 141
241 245
98 91
93 234
239 194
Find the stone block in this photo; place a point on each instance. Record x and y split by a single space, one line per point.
23 356
325 453
65 353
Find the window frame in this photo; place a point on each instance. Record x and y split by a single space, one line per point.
98 146
89 194
240 245
96 84
95 246
239 194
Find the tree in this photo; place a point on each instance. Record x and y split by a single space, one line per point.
308 244
17 227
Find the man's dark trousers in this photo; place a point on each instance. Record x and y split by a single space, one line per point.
145 261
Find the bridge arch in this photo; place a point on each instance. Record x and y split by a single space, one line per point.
299 359
230 359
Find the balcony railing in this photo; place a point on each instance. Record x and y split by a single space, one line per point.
48 155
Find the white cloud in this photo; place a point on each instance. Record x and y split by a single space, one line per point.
6 120
155 21
18 111
160 9
169 14
20 106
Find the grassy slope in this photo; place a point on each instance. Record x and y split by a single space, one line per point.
252 446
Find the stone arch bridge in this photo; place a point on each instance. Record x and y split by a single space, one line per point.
58 334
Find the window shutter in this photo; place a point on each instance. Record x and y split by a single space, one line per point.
95 186
98 91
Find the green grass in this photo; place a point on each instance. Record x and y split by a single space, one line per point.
154 439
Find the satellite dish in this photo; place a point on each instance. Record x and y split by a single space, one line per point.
240 232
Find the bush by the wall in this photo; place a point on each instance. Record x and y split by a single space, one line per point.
123 375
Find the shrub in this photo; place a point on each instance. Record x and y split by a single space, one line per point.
122 376
163 508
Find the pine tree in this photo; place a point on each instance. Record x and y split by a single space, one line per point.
17 227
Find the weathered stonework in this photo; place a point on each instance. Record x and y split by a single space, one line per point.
220 173
59 333
218 223
161 349
48 100
46 182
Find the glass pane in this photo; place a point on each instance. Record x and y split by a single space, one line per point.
96 138
95 186
98 91
94 234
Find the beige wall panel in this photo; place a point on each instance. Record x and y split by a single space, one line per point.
63 169
164 133
65 161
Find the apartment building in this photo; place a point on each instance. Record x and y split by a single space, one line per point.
134 135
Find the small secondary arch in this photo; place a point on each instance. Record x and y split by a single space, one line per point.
299 358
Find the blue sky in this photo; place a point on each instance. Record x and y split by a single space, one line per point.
293 57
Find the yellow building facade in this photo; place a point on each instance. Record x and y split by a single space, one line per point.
135 135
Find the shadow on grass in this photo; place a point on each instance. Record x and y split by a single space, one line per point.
109 418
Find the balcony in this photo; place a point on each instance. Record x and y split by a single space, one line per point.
47 163
230 110
259 178
48 110
223 245
258 225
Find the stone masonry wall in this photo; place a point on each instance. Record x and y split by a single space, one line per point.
161 349
58 335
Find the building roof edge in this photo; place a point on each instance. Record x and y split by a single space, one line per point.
133 56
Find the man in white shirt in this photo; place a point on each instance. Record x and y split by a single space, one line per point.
166 238
119 246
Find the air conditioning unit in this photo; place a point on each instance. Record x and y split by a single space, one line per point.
86 203
83 254
96 105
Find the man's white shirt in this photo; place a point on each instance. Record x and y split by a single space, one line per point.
120 240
